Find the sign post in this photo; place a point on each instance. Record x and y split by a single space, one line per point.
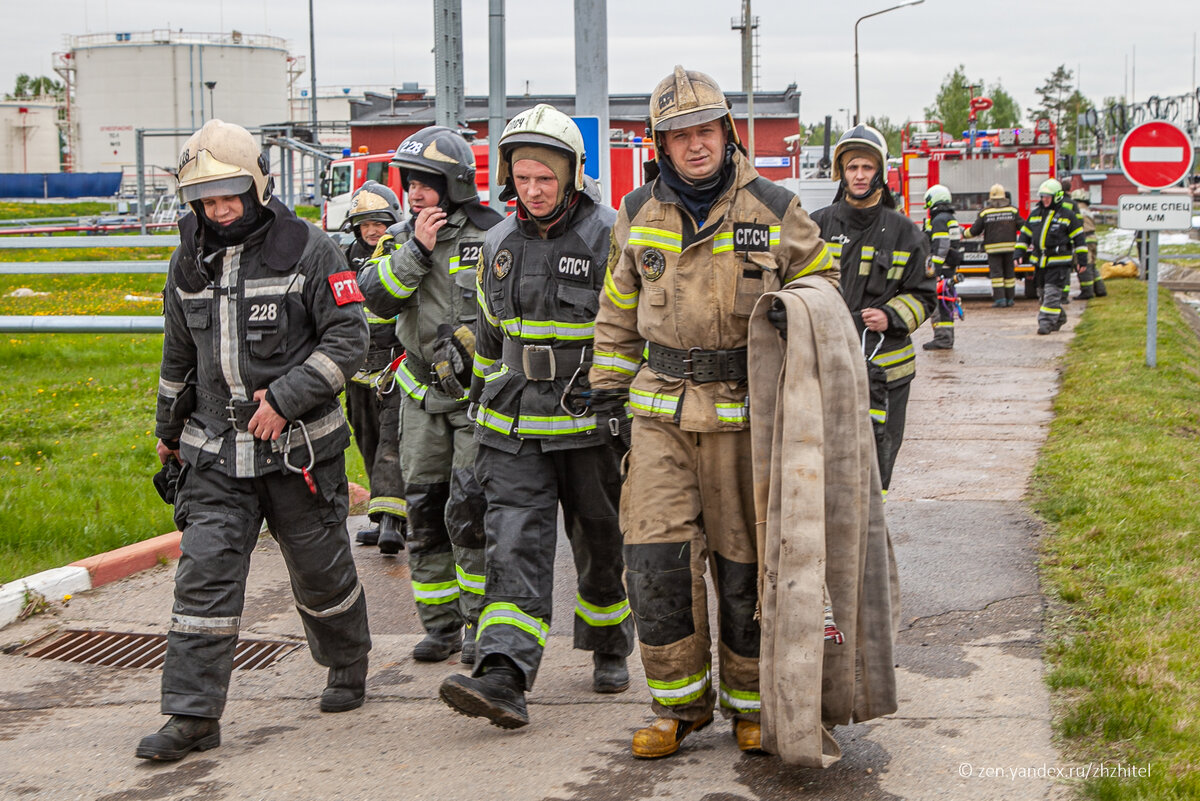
1154 155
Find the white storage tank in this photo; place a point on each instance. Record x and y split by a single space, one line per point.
29 136
160 80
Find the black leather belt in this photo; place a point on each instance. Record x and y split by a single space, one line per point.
376 360
701 366
544 362
217 408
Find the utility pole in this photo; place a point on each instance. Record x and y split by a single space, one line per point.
312 70
591 78
449 104
497 96
747 26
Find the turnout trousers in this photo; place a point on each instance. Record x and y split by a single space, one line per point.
1050 283
524 491
688 503
445 516
220 517
897 412
376 425
1002 272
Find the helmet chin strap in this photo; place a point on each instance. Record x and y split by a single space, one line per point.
875 185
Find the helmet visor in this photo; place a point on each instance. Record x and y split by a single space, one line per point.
217 187
697 117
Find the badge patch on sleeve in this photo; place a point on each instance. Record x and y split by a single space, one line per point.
748 237
345 288
574 268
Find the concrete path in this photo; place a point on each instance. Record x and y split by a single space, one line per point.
974 715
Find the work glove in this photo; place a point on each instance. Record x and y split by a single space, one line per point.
777 315
613 423
166 480
453 356
1080 262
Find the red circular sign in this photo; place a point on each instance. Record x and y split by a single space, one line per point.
1156 154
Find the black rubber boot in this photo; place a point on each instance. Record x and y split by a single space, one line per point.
468 651
181 734
1099 288
368 535
609 673
346 688
1046 327
938 344
438 646
391 535
498 695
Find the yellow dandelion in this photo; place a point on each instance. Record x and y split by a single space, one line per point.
95 454
18 464
67 598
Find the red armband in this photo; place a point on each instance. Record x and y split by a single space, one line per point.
345 288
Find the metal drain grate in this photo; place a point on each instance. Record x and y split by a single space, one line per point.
122 649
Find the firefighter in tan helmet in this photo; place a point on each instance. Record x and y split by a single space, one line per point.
263 324
692 251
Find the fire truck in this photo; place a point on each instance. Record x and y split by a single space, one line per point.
345 175
1019 159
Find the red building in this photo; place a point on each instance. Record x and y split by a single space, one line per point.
380 122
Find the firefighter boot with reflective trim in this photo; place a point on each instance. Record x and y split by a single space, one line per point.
368 535
346 687
1046 327
438 645
662 737
749 736
182 733
497 695
609 673
391 535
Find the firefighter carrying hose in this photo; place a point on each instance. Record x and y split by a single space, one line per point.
263 325
373 403
1052 239
539 446
692 252
424 276
999 222
942 231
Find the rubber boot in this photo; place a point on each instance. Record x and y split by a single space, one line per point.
1010 296
368 535
609 673
346 687
391 535
999 303
1046 327
662 737
749 736
498 694
438 646
181 734
1099 288
468 651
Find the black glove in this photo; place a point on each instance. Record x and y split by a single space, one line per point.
777 314
166 480
1081 261
453 356
613 422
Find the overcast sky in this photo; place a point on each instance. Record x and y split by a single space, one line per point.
1113 46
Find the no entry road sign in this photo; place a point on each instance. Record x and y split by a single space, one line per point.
1156 154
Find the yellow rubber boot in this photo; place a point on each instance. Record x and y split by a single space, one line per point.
662 737
749 736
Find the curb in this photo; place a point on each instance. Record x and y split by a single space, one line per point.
105 568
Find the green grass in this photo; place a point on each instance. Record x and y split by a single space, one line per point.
1118 483
76 430
33 211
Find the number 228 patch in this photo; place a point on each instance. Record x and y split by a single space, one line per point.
345 288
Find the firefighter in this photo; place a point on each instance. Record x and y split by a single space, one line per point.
999 222
1090 283
263 325
885 286
692 251
944 235
425 278
539 288
1052 238
373 406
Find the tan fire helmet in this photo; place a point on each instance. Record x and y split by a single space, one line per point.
1081 196
686 98
373 201
222 159
996 192
541 126
860 137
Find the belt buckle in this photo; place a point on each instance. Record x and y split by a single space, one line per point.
688 361
537 362
231 415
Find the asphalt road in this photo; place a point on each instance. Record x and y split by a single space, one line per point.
974 716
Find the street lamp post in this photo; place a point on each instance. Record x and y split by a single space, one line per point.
857 104
212 111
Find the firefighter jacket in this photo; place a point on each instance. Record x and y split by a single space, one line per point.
881 256
423 291
944 234
1089 232
279 312
538 300
670 285
999 222
384 345
1053 236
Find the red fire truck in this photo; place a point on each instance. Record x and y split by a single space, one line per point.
1019 159
345 175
